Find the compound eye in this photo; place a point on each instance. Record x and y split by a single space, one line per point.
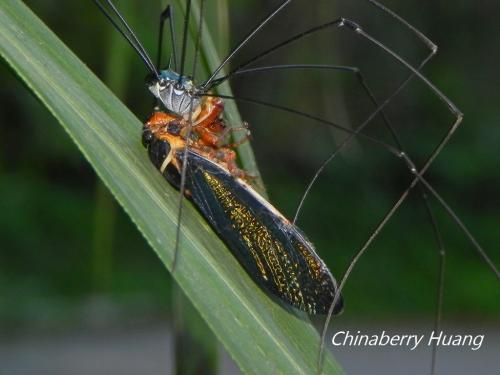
147 137
162 83
174 127
179 86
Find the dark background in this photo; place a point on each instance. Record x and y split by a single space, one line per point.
70 256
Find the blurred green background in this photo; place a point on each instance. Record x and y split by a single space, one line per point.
70 255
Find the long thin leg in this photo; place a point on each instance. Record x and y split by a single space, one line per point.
437 234
167 14
339 22
245 40
119 23
458 115
429 43
348 69
185 160
458 119
433 49
440 245
393 150
356 28
440 281
212 82
362 81
184 38
418 178
421 36
386 146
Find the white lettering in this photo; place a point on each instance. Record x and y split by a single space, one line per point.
384 339
479 339
417 341
436 338
334 337
412 342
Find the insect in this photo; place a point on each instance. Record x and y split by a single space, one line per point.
201 138
271 249
186 145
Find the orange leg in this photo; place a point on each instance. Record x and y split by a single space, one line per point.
246 138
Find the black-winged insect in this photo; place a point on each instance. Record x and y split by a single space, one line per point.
274 252
185 146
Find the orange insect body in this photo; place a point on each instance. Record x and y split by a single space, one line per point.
207 124
208 132
211 127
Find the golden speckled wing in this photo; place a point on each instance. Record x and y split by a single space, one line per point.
271 249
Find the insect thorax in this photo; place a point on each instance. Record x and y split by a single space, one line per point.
176 93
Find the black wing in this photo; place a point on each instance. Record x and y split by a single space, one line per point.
272 250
